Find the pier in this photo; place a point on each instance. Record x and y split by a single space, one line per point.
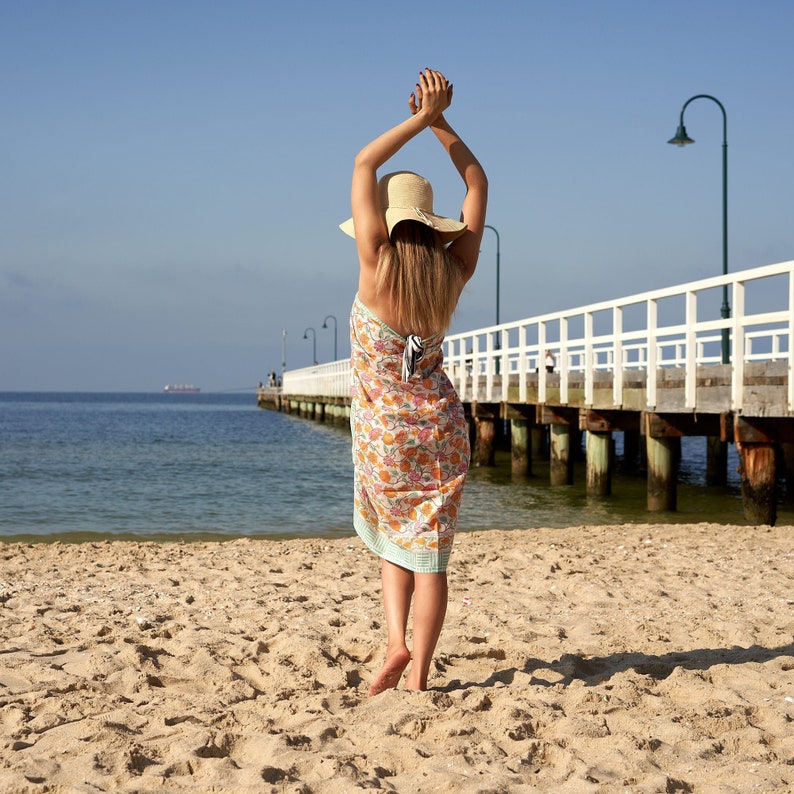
656 367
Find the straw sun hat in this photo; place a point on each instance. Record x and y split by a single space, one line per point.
405 196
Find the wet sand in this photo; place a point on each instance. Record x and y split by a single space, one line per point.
638 658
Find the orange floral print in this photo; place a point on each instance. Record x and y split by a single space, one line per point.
410 447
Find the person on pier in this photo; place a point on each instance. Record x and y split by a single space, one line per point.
410 436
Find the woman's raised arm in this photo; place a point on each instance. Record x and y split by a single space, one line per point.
466 247
368 220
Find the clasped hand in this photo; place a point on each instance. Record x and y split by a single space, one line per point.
433 94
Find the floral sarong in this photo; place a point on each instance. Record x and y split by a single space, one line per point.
410 446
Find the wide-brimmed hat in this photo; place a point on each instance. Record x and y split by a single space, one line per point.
405 196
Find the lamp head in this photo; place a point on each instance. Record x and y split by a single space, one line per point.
680 138
325 324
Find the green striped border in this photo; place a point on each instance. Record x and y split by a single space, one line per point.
418 562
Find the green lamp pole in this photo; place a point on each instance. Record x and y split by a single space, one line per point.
325 325
314 342
497 269
682 139
498 345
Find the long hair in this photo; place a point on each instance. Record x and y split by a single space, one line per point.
422 278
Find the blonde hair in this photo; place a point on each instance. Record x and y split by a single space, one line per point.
422 278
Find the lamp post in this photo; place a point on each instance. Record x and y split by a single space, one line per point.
497 344
497 269
314 342
682 139
283 352
325 325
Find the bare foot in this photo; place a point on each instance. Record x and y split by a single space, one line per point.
410 686
391 672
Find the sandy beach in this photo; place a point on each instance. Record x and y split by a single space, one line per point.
653 658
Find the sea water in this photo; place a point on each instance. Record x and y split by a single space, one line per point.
81 466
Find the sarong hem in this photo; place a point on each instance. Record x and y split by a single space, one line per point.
416 561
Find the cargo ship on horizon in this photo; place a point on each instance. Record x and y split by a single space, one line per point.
181 388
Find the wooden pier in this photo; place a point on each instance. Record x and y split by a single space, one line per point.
653 381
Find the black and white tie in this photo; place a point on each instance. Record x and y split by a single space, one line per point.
414 350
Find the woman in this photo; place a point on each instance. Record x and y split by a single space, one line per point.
410 436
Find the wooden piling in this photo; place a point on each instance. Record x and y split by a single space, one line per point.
561 469
600 449
521 424
599 463
662 490
663 447
484 435
484 432
520 446
561 421
755 443
757 472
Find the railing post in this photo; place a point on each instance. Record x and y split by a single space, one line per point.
475 367
542 375
489 367
504 363
790 357
651 353
737 376
588 359
690 385
617 360
563 357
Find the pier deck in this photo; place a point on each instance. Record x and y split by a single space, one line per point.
650 366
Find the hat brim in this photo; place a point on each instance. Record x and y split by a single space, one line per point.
446 228
348 228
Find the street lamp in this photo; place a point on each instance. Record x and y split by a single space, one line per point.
325 325
682 139
498 343
314 342
497 269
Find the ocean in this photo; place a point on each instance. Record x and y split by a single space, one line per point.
87 466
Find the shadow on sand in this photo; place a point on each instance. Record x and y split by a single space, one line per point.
594 670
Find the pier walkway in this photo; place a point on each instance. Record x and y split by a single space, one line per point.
655 366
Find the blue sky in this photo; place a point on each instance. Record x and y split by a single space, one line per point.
173 172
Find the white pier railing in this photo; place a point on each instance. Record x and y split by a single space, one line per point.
673 327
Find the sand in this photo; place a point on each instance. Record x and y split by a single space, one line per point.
590 659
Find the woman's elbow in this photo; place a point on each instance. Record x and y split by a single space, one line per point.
476 179
363 161
477 193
